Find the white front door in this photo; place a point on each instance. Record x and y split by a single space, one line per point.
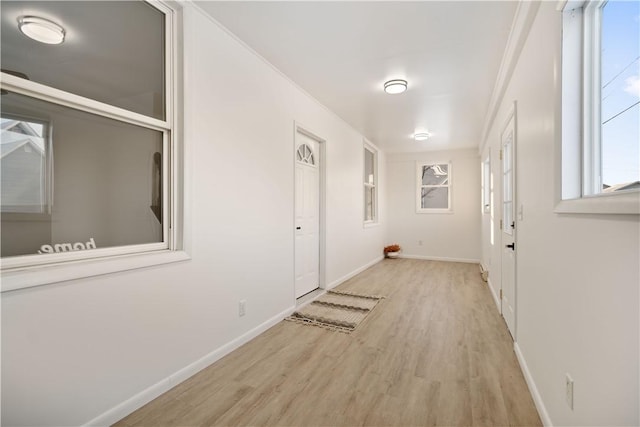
307 215
508 292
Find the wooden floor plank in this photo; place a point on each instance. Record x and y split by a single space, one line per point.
434 351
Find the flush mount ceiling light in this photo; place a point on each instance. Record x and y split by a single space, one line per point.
41 30
395 86
421 136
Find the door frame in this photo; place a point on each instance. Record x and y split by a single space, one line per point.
322 200
511 116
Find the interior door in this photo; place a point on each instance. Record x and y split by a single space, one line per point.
508 291
307 215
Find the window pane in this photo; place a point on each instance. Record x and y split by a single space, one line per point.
435 198
435 174
369 199
113 51
508 217
508 187
486 184
107 183
368 167
620 137
507 155
24 165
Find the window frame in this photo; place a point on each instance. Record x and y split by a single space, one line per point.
48 166
40 269
367 186
580 174
419 186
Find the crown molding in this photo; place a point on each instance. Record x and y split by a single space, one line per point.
522 22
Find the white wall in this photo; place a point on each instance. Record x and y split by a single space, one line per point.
449 236
577 275
75 350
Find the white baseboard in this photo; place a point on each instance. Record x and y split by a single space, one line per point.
435 258
495 295
145 396
125 408
535 394
353 273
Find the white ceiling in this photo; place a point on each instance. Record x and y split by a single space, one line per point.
342 52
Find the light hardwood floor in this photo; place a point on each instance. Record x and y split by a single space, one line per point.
435 351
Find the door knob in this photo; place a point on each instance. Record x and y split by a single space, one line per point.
298 228
512 246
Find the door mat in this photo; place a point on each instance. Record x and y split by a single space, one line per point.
338 311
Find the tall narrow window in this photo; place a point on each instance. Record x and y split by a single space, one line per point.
434 187
370 184
86 132
486 185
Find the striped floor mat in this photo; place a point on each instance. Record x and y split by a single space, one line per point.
339 311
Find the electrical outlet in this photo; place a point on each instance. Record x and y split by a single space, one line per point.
419 242
569 391
242 307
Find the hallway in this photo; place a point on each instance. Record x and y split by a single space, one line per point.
435 351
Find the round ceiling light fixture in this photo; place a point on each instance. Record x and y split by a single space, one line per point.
41 30
421 136
395 86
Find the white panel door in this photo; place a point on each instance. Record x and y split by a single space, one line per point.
508 292
307 216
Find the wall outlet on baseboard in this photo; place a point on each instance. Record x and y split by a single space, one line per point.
569 391
242 307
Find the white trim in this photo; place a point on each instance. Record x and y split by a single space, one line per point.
495 295
125 408
522 22
370 224
569 142
321 164
485 207
28 271
623 203
170 51
178 220
535 394
436 258
374 151
354 273
511 123
56 273
591 109
30 261
59 97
